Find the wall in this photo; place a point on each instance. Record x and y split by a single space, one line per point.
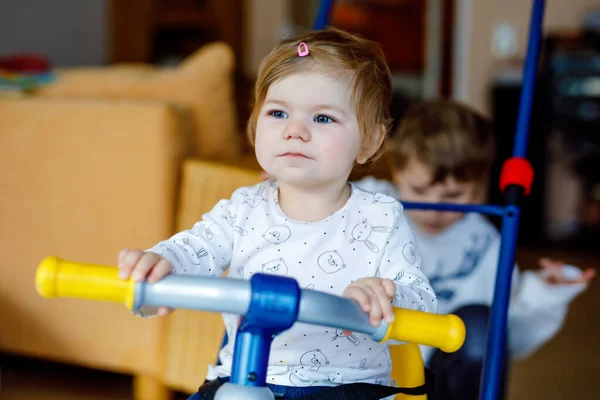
68 32
266 22
475 66
263 25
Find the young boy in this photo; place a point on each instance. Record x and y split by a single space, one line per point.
442 153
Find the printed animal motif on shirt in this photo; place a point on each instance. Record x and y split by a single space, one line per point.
173 254
348 335
275 267
331 262
361 233
297 381
416 285
209 233
196 254
409 253
469 262
230 218
362 365
254 199
277 234
314 359
399 276
201 229
383 199
399 300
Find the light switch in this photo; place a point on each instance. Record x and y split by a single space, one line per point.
504 41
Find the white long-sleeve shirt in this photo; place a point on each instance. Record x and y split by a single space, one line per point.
368 237
461 265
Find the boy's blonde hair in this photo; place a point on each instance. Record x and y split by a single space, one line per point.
451 138
342 55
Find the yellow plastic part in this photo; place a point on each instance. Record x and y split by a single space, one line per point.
407 369
59 278
445 332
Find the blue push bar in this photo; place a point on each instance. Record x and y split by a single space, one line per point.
323 14
496 344
489 209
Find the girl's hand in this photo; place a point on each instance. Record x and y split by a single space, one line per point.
144 266
556 272
375 297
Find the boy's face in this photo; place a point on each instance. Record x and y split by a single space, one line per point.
414 185
307 131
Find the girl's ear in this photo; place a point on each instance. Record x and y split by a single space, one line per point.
371 143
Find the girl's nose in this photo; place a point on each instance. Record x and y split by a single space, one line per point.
296 130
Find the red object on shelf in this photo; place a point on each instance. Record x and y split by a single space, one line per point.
517 171
25 63
398 26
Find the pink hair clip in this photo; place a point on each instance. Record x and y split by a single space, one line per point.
302 49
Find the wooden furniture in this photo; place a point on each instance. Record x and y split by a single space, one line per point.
152 31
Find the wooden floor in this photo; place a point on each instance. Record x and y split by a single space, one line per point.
27 379
567 368
24 379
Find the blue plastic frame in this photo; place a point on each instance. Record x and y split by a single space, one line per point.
273 308
510 213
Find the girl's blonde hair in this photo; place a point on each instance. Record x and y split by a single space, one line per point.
341 54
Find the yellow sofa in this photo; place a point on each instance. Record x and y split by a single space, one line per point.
81 179
91 164
201 87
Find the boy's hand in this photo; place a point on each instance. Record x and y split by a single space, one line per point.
556 272
144 266
375 297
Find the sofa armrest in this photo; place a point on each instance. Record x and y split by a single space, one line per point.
80 180
193 338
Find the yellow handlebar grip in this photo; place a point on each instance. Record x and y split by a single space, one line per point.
59 278
445 332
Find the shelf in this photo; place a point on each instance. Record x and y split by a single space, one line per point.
184 18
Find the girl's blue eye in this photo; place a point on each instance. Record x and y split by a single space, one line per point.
277 114
323 119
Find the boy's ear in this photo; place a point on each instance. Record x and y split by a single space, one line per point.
482 188
371 143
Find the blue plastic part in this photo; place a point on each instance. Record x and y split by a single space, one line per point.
529 78
496 340
510 224
489 209
273 308
323 14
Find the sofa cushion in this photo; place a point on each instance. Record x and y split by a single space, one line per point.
202 86
76 184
